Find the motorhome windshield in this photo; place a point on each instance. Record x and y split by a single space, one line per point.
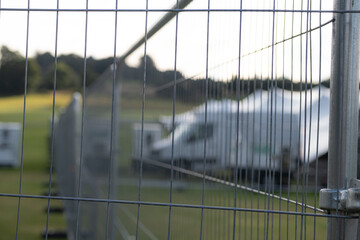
182 131
192 132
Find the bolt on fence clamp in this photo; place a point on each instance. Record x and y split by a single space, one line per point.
346 200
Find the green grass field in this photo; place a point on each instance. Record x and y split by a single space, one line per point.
32 221
218 224
35 176
185 221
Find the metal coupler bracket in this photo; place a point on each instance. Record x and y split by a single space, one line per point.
346 200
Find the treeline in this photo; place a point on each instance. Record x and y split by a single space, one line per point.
40 71
194 90
70 74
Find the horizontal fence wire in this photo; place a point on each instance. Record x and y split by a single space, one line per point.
213 179
174 205
175 10
234 151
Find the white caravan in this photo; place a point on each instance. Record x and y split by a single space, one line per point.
266 130
9 144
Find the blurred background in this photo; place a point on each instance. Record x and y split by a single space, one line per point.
104 138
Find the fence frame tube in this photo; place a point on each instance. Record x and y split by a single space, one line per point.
344 108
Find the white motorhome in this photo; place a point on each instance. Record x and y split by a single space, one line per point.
9 144
267 130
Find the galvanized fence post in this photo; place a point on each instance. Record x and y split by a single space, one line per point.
344 108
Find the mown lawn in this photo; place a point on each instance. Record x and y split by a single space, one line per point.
36 158
35 177
185 222
217 224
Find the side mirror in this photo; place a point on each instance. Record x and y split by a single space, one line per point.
149 140
191 138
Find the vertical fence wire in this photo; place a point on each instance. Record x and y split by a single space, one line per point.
318 120
291 115
52 122
112 130
237 123
206 90
282 117
309 55
142 123
173 121
23 120
305 119
79 182
300 121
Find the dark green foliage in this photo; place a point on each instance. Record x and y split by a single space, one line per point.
45 60
12 73
70 76
66 77
154 77
40 75
94 68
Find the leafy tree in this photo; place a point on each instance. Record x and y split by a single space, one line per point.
34 75
12 73
66 77
94 67
44 60
9 56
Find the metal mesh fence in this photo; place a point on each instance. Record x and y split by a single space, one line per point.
86 157
219 131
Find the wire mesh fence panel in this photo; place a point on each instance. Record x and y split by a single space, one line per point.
248 133
85 160
206 120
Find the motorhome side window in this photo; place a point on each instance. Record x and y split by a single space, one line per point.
198 132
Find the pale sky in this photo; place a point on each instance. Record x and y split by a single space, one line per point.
192 32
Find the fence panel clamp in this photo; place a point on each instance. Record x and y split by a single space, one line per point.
345 200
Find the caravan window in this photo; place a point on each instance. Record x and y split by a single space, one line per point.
198 132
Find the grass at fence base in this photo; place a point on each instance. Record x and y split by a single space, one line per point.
217 224
35 168
36 159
